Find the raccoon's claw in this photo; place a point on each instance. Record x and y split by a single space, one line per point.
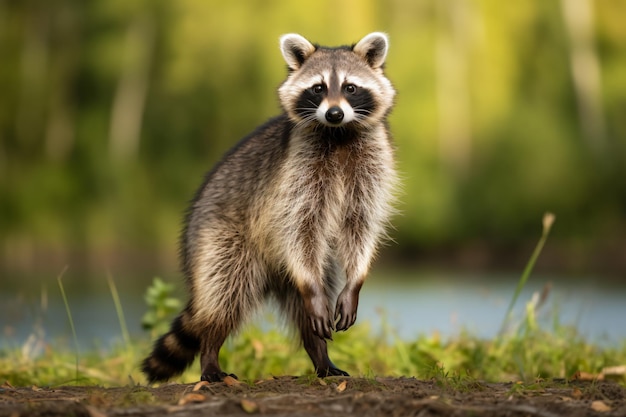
322 327
347 304
345 322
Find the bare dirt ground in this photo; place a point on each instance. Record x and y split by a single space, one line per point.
290 396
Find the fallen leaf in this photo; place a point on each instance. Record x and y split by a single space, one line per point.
586 376
342 387
249 406
614 372
322 382
97 399
199 385
94 412
576 393
7 385
600 406
258 347
35 388
230 381
192 398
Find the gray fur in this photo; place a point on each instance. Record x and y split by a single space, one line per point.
294 212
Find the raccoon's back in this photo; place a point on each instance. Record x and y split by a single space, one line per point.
247 168
233 189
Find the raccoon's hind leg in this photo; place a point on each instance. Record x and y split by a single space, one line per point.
227 289
317 350
236 304
292 305
209 358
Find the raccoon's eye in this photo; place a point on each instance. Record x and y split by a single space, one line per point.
350 88
318 88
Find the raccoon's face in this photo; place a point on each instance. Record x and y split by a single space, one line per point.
336 87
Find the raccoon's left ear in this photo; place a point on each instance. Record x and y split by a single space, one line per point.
373 48
296 49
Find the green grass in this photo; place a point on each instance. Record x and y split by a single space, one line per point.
523 351
539 353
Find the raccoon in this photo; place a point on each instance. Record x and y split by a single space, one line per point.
294 212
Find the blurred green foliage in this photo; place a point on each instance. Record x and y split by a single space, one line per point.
162 305
111 111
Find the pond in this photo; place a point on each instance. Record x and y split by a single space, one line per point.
424 304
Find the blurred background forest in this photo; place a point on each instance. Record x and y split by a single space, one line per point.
111 112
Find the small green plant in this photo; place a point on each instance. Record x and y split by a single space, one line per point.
548 220
162 305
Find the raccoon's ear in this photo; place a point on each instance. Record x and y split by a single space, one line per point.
296 49
373 48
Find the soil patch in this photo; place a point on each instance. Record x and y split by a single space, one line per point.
315 397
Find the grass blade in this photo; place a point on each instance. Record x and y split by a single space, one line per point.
548 220
69 316
119 311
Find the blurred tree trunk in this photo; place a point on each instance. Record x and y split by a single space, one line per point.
61 121
132 89
585 67
33 82
453 98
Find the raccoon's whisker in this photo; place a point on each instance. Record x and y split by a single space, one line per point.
361 122
306 111
307 115
362 111
308 119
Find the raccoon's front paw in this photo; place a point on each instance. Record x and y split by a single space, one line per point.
316 307
347 304
322 326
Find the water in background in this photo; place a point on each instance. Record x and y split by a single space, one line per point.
451 304
425 304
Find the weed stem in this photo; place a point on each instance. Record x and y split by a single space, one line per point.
548 221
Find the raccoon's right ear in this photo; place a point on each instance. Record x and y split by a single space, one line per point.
296 49
373 48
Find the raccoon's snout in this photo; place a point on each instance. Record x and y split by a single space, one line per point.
334 114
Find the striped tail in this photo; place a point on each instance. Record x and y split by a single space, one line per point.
173 352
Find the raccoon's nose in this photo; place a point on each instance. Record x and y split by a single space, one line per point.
334 114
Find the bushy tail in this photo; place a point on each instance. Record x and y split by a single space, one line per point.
173 352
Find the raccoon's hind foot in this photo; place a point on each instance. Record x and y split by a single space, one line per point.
331 371
211 371
216 376
209 363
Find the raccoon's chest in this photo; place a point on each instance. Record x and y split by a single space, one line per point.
317 189
319 182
